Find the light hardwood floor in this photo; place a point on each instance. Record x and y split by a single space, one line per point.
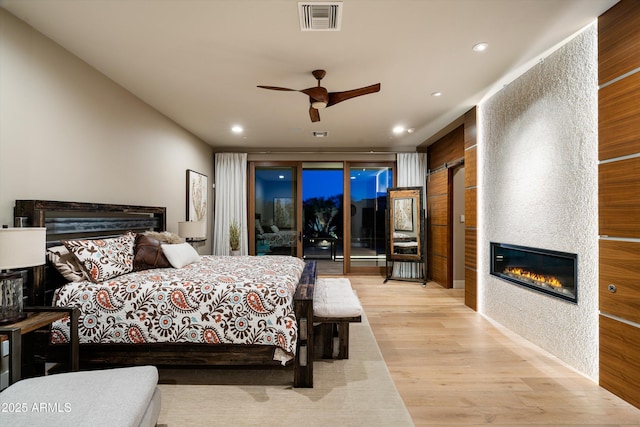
453 367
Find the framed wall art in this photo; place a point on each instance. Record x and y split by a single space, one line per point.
196 196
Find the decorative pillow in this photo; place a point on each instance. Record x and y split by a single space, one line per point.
66 263
104 259
148 254
180 254
164 236
275 228
259 228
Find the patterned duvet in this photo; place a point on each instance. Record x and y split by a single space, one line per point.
221 299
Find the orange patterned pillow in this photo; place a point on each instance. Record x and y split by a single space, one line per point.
104 259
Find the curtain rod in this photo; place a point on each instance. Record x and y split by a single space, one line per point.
324 152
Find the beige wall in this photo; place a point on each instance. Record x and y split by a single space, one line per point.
69 133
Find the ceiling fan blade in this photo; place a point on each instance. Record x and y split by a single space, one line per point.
335 97
314 114
320 98
278 88
317 93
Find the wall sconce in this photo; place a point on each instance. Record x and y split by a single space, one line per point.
19 248
193 231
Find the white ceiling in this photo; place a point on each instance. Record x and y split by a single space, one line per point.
199 61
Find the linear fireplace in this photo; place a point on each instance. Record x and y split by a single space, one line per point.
551 272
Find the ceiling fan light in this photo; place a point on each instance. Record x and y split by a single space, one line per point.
480 47
318 105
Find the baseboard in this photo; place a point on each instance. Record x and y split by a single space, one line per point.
458 284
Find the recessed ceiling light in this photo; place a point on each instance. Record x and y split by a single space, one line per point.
236 129
398 130
436 94
480 47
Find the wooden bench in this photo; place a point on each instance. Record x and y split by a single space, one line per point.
335 306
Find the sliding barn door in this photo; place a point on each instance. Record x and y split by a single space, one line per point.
439 236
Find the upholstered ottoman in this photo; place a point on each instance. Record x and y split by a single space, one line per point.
335 305
109 397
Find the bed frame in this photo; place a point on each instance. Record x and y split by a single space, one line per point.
72 220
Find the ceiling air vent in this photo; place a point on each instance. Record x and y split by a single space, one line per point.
320 16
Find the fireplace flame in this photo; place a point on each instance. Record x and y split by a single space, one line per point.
548 280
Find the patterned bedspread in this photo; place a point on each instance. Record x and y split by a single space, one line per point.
221 299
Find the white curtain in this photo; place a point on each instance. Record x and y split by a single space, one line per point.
412 172
230 201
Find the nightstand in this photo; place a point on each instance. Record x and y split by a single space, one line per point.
4 362
37 318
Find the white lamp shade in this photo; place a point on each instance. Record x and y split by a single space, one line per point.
22 247
192 229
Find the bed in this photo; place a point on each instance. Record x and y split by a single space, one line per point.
215 311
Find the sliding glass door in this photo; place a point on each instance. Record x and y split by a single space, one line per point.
332 212
367 189
322 213
275 215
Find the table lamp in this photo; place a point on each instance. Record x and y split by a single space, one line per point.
192 231
19 248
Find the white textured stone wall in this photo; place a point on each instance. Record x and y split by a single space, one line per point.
538 187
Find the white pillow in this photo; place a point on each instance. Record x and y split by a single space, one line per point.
275 228
180 254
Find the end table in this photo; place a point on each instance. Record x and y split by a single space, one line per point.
39 317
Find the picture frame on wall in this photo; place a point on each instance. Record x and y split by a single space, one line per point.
196 196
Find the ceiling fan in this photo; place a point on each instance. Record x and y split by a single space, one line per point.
320 98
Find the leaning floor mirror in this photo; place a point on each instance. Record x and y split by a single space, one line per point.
405 229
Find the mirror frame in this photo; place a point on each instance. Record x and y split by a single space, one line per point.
403 202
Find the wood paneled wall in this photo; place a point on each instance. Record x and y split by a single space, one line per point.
619 204
470 209
447 151
438 230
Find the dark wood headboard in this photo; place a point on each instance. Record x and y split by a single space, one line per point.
73 220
